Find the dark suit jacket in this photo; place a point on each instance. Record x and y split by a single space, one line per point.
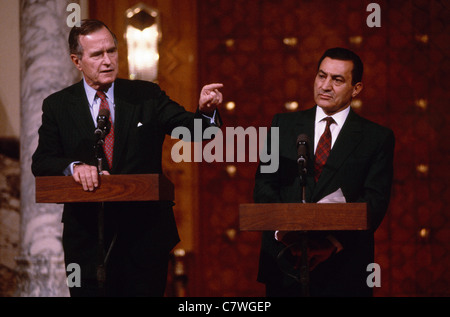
361 165
67 135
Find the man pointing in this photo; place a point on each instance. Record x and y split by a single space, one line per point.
141 115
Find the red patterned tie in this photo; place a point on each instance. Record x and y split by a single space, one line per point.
109 139
323 149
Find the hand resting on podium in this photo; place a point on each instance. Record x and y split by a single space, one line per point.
87 176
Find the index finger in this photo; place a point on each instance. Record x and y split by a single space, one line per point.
213 86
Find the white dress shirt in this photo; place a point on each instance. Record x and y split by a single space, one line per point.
94 101
335 128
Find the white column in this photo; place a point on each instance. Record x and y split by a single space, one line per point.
45 68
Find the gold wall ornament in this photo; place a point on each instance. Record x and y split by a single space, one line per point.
422 103
355 40
231 170
291 105
290 41
230 105
357 104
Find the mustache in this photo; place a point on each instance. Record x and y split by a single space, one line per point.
321 92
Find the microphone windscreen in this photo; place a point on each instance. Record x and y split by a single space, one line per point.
302 148
103 112
302 139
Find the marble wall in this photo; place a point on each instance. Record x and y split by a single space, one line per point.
45 68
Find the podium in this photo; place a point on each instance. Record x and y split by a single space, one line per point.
303 217
112 188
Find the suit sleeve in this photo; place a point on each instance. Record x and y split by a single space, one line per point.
267 187
172 115
378 183
376 189
49 159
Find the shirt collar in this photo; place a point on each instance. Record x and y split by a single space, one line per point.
338 117
91 93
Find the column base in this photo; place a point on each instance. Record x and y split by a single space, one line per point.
41 276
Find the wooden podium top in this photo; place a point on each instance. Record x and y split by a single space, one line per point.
137 187
303 217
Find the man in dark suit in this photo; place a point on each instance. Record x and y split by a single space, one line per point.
359 168
141 115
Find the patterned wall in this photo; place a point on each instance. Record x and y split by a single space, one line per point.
265 52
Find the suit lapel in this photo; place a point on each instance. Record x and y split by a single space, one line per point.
124 113
79 109
349 137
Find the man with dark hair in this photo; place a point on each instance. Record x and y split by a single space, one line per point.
351 161
141 114
345 55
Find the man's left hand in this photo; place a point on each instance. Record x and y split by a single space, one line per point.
319 250
210 98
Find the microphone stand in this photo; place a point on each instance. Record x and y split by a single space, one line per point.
302 173
102 256
101 270
304 267
303 279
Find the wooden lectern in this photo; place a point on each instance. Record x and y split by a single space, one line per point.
113 188
303 217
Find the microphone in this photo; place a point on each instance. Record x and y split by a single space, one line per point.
302 150
102 123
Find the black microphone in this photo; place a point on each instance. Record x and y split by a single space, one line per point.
302 150
102 123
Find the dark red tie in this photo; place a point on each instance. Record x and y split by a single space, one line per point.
109 139
323 149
